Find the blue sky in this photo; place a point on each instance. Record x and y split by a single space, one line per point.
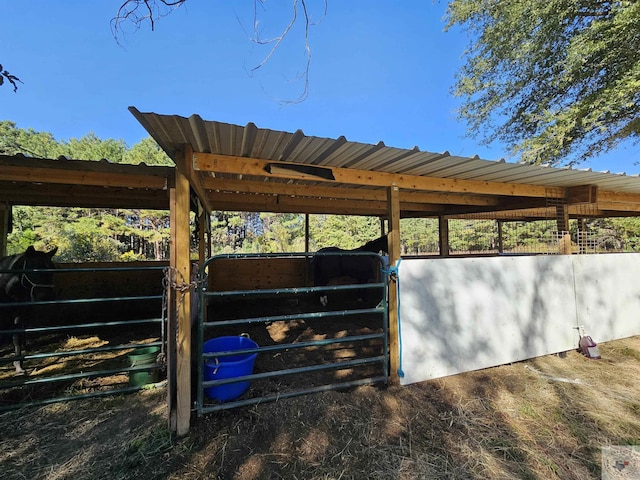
380 71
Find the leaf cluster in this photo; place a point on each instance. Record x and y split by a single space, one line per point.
558 81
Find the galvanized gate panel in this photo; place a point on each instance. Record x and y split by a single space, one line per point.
303 345
62 362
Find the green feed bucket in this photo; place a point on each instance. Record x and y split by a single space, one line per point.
142 357
228 366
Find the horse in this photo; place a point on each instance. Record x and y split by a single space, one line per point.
20 281
340 267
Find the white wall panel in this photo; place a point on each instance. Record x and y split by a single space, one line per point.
608 295
463 314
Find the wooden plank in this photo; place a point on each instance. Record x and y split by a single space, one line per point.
228 274
253 166
172 320
182 276
582 194
285 203
59 195
622 197
5 216
377 194
443 235
55 175
393 235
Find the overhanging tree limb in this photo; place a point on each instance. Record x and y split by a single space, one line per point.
557 81
12 79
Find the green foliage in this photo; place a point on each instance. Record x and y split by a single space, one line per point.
344 231
146 151
15 140
91 147
558 81
419 235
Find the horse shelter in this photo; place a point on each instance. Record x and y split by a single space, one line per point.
441 314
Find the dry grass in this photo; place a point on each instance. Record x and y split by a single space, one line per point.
541 419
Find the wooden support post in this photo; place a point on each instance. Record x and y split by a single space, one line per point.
5 223
171 327
562 218
180 279
443 235
582 235
500 237
393 207
562 221
202 237
306 232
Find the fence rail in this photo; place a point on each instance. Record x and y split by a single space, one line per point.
75 344
303 346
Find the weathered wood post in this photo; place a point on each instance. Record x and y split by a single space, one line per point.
5 221
179 311
393 212
443 235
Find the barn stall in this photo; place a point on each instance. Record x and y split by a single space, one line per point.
81 343
244 168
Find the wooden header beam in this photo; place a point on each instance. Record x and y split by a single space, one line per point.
378 194
209 162
74 177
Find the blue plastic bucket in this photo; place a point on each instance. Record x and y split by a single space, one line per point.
228 366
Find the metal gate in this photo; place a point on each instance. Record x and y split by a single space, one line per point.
75 348
307 338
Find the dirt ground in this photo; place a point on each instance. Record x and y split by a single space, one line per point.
549 417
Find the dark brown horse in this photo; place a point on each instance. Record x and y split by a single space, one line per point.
21 280
335 266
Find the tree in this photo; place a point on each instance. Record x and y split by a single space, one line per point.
12 79
147 151
557 81
15 140
140 12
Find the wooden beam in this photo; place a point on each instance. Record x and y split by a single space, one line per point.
186 168
5 221
622 197
181 278
393 235
288 204
74 177
172 319
57 195
210 162
443 235
582 194
377 194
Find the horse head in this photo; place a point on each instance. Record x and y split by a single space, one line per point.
34 281
380 244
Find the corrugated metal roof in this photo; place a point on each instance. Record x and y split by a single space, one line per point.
173 131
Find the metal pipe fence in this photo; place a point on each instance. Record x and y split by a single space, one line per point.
78 345
340 345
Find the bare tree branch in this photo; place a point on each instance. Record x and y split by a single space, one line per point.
137 12
12 79
276 41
